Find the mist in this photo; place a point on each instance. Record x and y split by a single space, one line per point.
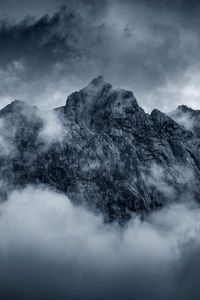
51 249
89 244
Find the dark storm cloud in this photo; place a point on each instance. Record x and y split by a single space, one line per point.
42 43
150 47
40 54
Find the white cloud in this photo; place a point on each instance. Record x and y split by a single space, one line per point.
185 120
52 130
158 178
7 145
70 252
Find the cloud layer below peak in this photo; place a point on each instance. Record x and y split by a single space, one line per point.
51 249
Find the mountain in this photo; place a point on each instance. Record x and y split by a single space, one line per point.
102 150
187 117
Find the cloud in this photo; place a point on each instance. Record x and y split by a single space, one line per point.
170 183
185 120
51 249
7 146
48 52
160 181
43 128
52 130
150 47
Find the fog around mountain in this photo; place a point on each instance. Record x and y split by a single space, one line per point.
99 149
82 218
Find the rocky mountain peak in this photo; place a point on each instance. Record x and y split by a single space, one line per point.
187 109
16 105
99 104
168 126
184 108
188 118
98 83
115 158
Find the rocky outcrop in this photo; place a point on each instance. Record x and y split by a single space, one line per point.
112 157
187 117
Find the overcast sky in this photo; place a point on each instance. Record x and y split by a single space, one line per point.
150 47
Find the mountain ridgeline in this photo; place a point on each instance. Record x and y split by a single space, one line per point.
103 151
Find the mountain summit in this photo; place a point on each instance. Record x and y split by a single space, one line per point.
100 107
108 154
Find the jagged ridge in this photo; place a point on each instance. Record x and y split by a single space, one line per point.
113 157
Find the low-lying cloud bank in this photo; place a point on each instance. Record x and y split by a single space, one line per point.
51 249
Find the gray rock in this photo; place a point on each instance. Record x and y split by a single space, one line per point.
112 157
187 117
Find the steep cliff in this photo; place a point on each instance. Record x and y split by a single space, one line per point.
106 153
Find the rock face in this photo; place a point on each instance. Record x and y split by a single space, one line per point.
188 117
110 155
